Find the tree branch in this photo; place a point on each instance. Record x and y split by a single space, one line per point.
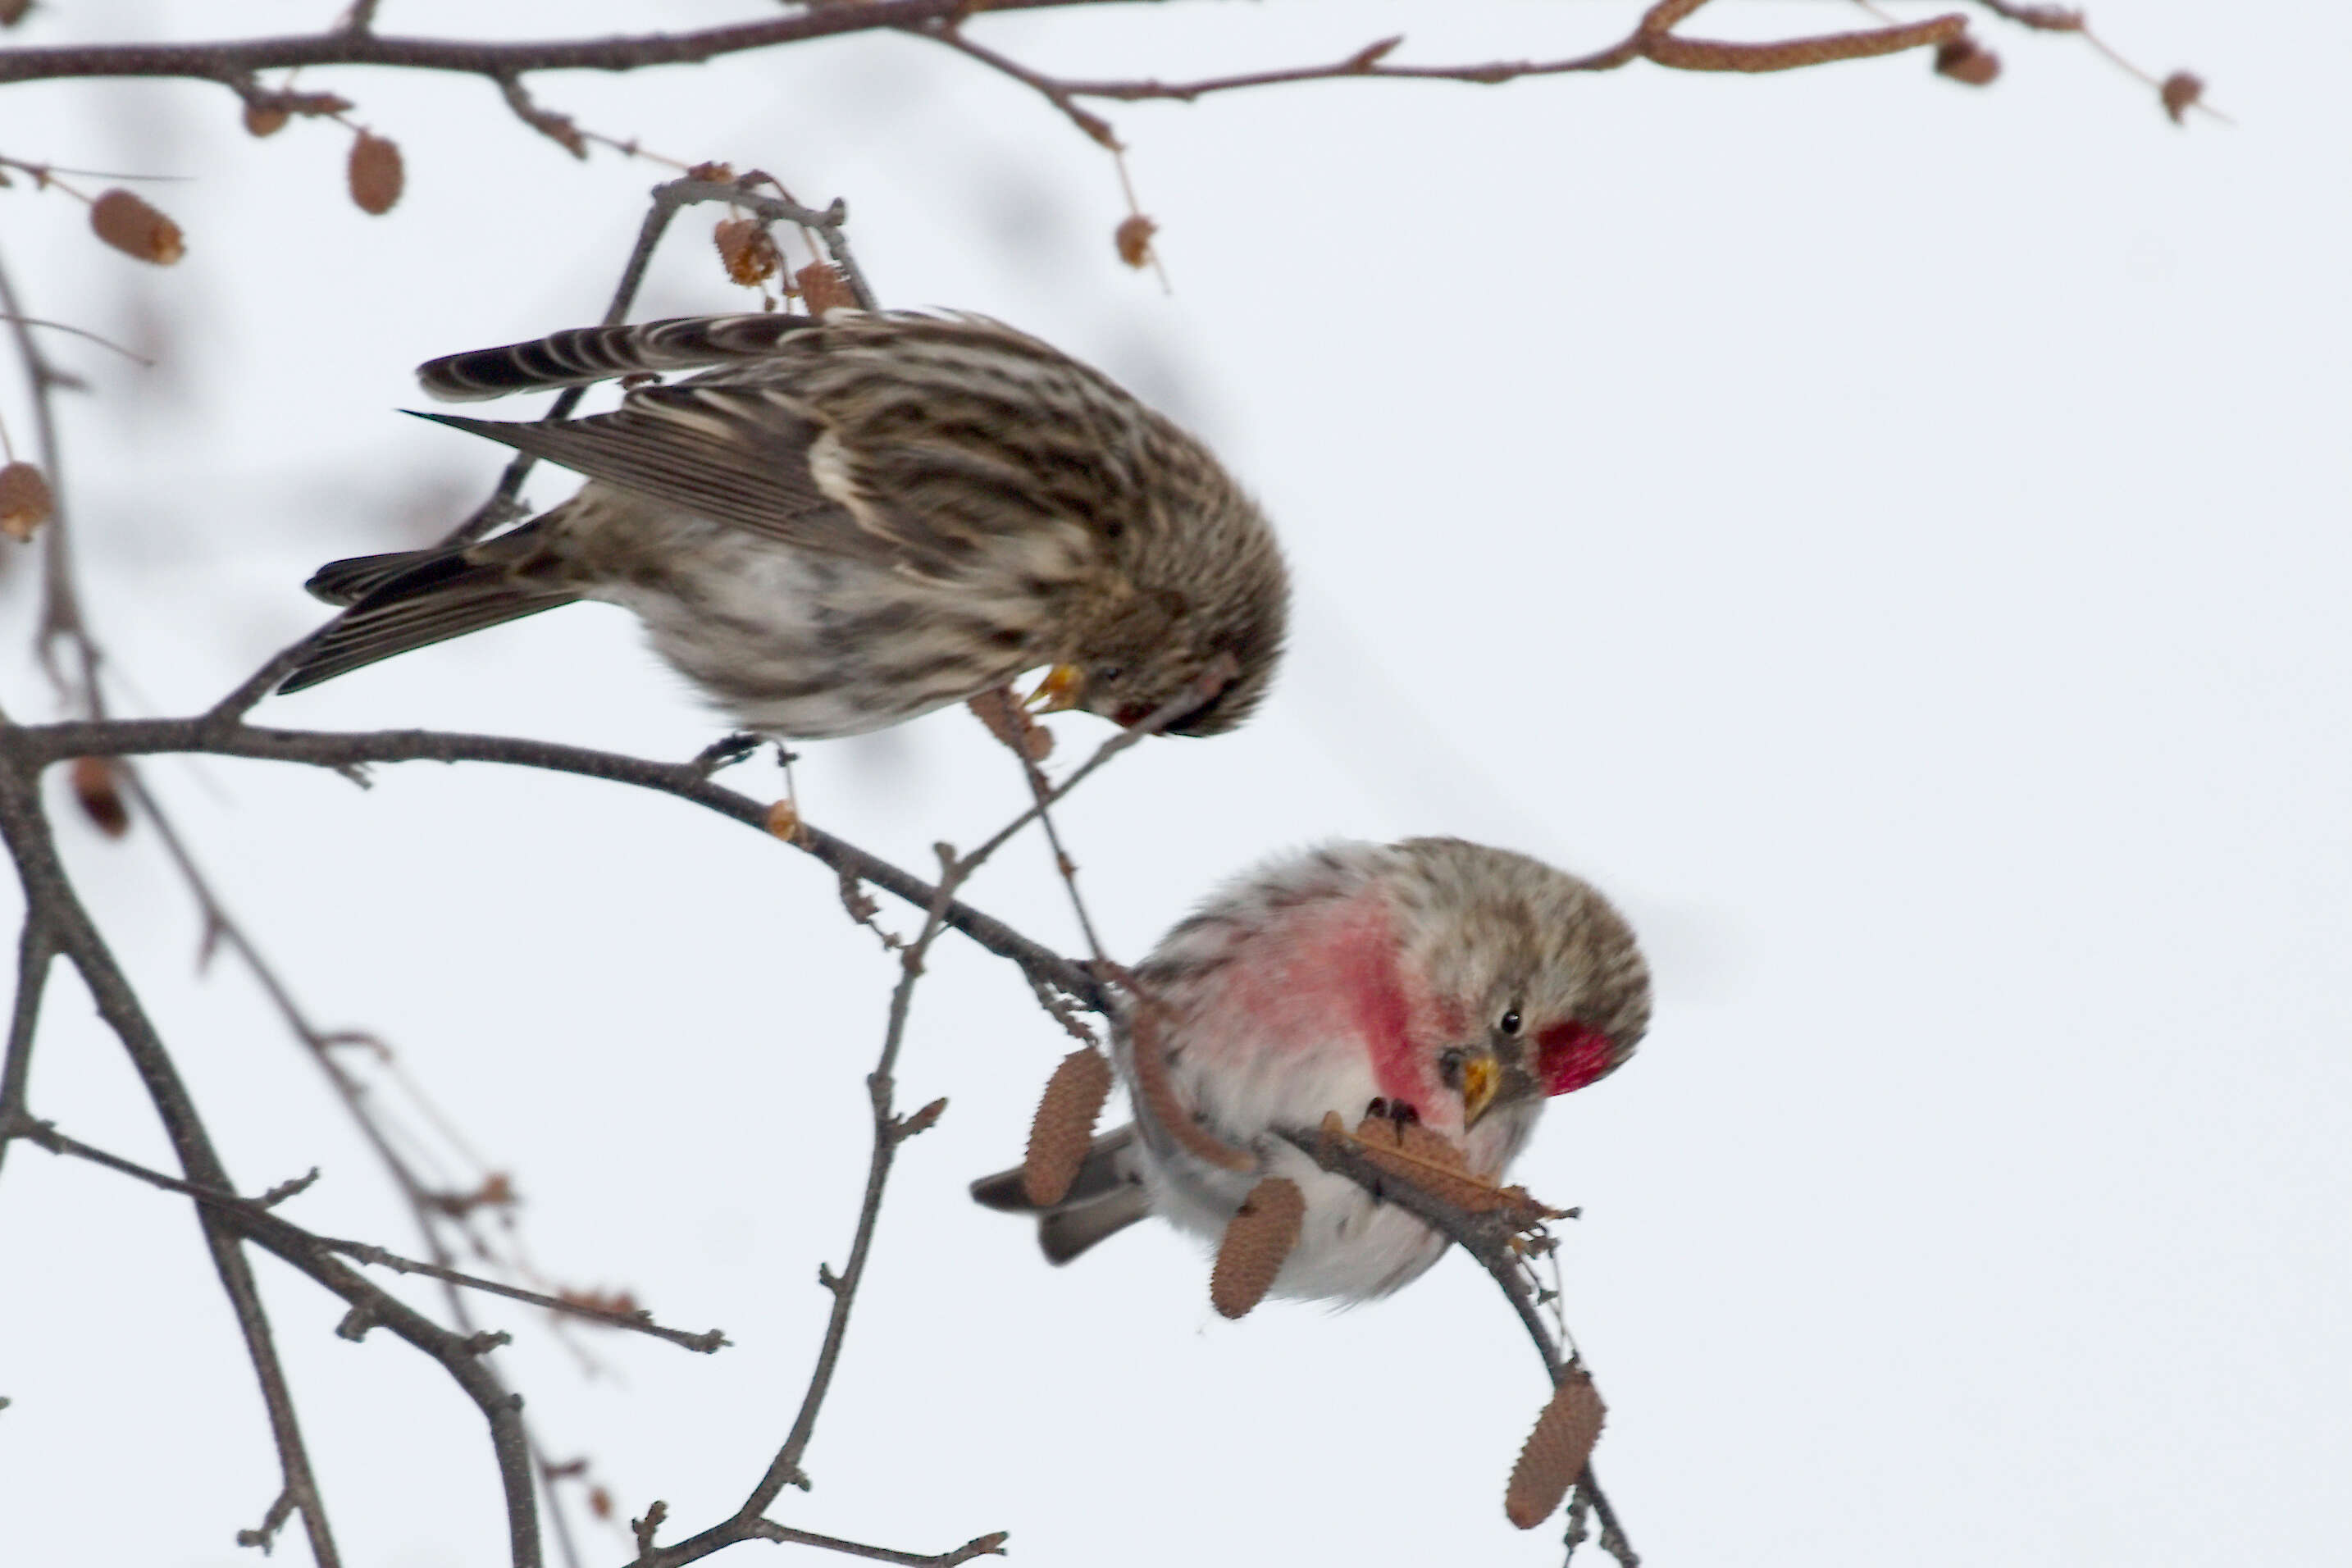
34 949
52 904
890 1130
252 1216
37 746
229 61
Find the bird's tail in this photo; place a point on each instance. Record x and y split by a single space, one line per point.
1108 1196
408 599
583 355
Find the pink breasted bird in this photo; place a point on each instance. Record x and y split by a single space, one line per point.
1452 983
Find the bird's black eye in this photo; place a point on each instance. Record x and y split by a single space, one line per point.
1511 1022
1109 672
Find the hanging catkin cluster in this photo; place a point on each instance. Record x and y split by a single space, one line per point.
1258 1240
1064 1126
1556 1451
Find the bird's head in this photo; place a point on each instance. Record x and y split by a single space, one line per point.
1198 599
1541 985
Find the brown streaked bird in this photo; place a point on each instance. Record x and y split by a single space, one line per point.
846 522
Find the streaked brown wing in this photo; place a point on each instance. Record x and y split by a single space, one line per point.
737 455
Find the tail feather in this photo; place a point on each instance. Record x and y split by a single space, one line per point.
1073 1228
583 355
349 581
1107 1196
429 599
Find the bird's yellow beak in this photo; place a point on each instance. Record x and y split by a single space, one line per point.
1482 1079
1058 692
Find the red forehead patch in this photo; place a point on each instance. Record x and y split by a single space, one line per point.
1569 1055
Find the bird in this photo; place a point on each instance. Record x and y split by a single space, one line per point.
848 520
1433 980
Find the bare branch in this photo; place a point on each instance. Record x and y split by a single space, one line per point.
991 1545
229 59
40 745
750 1521
52 904
34 949
279 1235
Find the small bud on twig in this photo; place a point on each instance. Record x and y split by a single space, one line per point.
2180 93
127 223
923 1119
1964 60
100 797
26 502
264 120
1133 238
375 173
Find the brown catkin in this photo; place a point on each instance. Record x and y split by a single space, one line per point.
375 173
1555 1451
101 800
746 250
1010 722
1258 1240
1964 60
2180 90
823 289
127 223
1065 1128
1435 1165
1133 238
25 500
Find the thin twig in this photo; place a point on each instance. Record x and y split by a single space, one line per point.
255 1210
51 901
226 60
34 949
890 1130
1215 679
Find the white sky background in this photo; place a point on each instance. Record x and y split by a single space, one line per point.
1892 536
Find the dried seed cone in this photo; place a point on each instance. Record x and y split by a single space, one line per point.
1554 1452
1065 1127
25 500
1435 1165
746 250
101 801
1964 61
2180 93
1133 238
823 289
1010 722
1258 1240
127 223
375 173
